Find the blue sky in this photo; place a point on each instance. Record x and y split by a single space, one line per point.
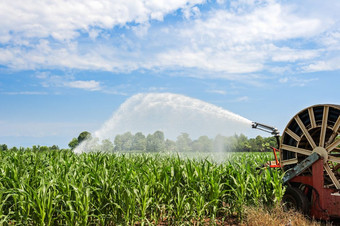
66 66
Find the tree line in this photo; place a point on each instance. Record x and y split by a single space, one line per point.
4 147
156 142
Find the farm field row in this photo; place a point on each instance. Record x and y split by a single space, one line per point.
60 187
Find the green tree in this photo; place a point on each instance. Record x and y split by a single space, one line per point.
242 143
73 143
127 139
183 143
202 144
54 147
159 139
14 149
107 146
170 145
253 145
271 142
118 143
43 148
155 142
3 147
83 136
222 143
139 142
259 143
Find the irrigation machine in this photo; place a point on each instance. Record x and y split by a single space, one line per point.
310 157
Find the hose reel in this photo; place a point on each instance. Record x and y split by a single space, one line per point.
314 129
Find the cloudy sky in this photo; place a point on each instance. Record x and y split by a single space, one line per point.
67 65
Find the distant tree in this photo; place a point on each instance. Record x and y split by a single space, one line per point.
3 147
155 142
139 142
127 139
253 145
246 146
222 143
159 140
73 143
43 148
149 143
259 143
183 143
83 136
76 141
170 145
14 149
202 144
107 146
54 147
271 142
35 148
118 143
242 143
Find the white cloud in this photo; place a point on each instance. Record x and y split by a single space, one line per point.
283 80
157 89
193 12
232 42
332 39
64 19
48 80
210 60
240 99
286 54
221 1
87 85
293 81
250 37
25 93
329 65
217 91
270 22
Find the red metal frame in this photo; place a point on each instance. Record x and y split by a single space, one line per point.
325 202
278 164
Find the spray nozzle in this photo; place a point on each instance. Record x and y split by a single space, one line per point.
269 129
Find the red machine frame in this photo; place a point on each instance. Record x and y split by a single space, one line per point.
325 202
277 162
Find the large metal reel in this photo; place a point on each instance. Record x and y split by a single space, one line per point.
314 129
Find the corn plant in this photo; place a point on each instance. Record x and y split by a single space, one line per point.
60 187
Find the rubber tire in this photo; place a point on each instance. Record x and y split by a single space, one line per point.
295 199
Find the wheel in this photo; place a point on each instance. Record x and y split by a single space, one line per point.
294 199
314 129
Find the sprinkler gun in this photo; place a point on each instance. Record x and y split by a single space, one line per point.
269 129
275 132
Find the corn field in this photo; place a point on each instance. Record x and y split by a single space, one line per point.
62 188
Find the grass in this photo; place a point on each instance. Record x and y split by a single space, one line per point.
60 187
276 216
